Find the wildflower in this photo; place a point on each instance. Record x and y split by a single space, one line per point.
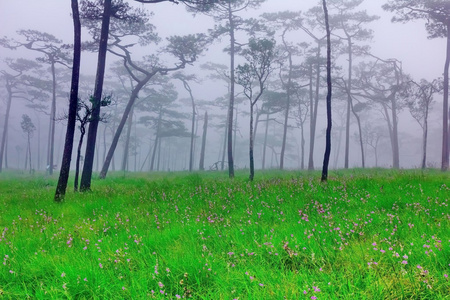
160 284
261 284
419 267
123 288
100 265
63 274
178 296
404 262
446 275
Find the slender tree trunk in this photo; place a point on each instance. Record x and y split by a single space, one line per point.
202 152
349 103
312 126
235 131
104 142
86 175
191 154
68 144
52 120
126 113
5 127
445 109
391 132
326 158
159 154
265 143
38 167
6 153
157 140
77 165
26 157
425 138
302 130
252 163
395 148
29 151
225 139
286 113
231 106
127 141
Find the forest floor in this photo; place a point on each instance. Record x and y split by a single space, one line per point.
366 234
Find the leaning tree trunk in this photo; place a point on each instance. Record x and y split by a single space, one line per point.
326 158
73 103
86 175
126 113
202 152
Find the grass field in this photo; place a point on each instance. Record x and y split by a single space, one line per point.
366 234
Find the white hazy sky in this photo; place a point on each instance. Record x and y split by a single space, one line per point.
408 42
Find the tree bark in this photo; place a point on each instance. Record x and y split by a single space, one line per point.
326 158
127 141
52 121
231 105
5 127
191 153
86 175
265 143
445 110
157 140
252 163
202 152
126 113
425 138
73 103
286 113
77 165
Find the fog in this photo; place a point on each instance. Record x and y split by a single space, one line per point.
418 56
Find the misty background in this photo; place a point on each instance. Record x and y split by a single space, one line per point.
407 43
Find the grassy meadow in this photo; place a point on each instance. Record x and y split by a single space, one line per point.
366 234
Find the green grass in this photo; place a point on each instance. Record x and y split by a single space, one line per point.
366 234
